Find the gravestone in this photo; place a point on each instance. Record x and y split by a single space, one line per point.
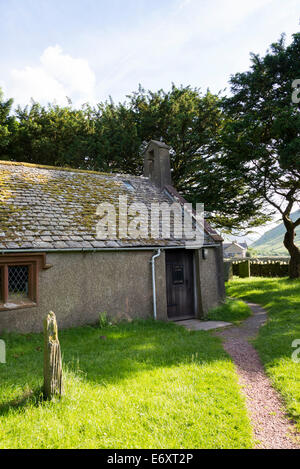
2 351
53 378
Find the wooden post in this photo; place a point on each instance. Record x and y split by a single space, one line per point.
53 379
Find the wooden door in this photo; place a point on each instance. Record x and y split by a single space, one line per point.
180 284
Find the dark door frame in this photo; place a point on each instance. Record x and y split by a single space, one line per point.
195 284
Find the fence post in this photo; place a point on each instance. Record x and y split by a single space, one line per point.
53 379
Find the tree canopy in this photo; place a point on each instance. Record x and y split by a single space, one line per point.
8 125
261 137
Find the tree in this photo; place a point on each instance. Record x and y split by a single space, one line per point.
191 123
53 135
261 137
116 140
8 126
103 138
251 252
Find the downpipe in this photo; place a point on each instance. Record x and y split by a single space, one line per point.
154 283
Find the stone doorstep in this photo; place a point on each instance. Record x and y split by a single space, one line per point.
197 325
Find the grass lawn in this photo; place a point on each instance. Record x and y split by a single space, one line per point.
148 385
234 311
281 298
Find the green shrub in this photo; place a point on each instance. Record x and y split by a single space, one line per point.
244 269
228 271
263 268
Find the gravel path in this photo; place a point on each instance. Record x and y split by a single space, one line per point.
272 428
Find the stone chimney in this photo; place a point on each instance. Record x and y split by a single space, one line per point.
157 163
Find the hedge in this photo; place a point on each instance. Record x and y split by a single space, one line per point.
257 269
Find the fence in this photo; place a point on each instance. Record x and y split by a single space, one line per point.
256 268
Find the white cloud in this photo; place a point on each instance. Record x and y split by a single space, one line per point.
196 42
183 3
56 76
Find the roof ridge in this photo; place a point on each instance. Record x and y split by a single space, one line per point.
66 169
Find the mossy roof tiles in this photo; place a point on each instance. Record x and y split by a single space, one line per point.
54 208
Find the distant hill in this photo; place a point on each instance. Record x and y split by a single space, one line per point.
271 243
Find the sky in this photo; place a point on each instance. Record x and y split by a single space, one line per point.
89 50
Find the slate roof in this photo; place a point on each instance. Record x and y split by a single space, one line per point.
240 245
54 208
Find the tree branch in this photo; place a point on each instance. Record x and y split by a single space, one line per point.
297 223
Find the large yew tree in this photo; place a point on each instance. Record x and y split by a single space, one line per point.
261 139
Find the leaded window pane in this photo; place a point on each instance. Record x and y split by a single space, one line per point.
18 277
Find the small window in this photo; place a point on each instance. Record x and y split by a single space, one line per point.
19 280
18 285
178 275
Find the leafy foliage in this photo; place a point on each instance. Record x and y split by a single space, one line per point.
8 125
261 139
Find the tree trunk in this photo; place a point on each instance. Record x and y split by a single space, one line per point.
53 379
289 242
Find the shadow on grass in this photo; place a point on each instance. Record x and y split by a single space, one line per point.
33 397
139 347
262 288
281 298
105 356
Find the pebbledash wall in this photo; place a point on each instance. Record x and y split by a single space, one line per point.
211 279
79 286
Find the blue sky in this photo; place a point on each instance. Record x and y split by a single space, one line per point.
90 49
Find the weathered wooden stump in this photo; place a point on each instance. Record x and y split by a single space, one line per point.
53 378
